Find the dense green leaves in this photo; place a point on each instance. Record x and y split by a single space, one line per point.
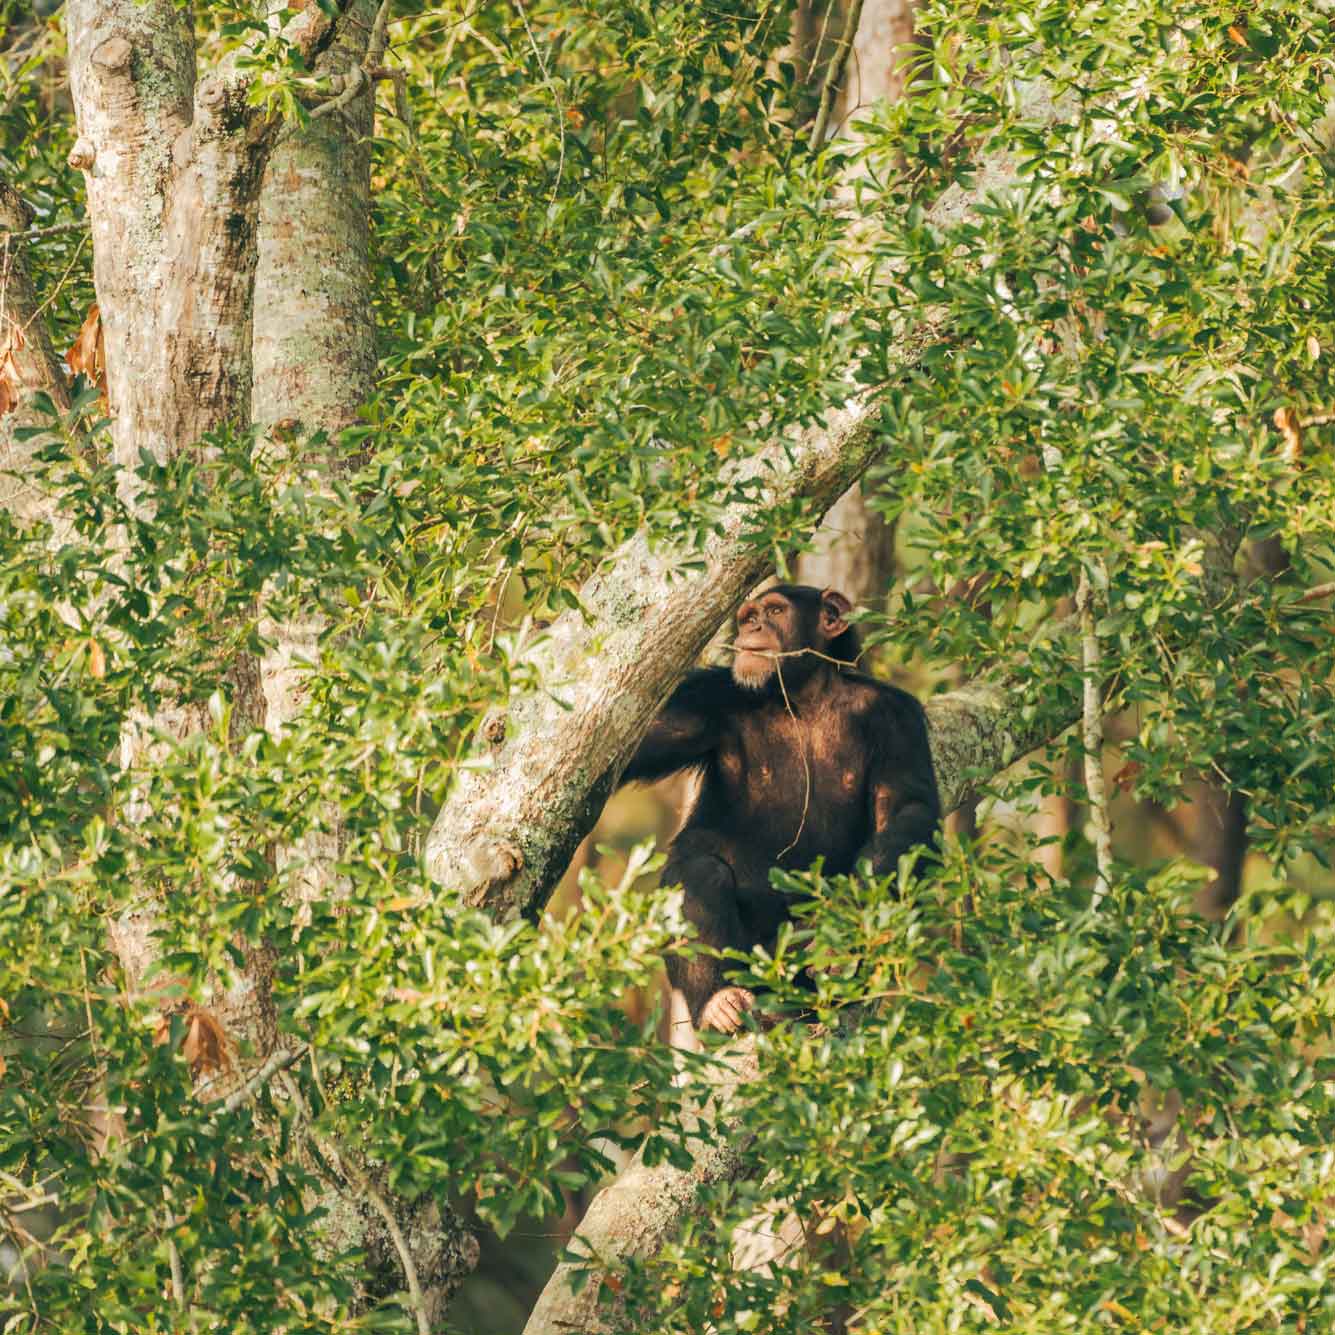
608 261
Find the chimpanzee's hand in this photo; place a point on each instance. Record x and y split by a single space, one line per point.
724 1010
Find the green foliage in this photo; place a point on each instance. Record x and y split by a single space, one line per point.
963 1141
607 263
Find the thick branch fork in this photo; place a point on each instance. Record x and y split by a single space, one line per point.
173 165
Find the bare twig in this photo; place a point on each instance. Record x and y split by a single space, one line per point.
834 72
278 1061
418 1298
1316 593
174 1261
64 278
798 653
50 229
556 96
379 40
1092 735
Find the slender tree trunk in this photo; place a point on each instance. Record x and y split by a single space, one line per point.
1221 825
854 548
1220 843
28 364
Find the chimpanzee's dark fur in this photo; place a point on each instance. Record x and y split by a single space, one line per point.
872 791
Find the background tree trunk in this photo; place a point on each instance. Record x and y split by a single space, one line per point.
854 548
28 364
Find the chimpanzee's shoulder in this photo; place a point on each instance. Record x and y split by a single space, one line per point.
871 695
706 688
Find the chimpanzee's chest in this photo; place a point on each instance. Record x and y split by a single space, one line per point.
794 788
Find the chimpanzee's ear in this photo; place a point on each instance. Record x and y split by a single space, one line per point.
834 610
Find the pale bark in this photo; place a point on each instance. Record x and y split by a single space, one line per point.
1092 738
172 171
878 63
132 77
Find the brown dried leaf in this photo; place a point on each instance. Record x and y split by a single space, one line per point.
11 386
88 353
97 660
1286 420
205 1042
205 1046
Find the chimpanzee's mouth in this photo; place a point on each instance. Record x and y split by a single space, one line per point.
752 668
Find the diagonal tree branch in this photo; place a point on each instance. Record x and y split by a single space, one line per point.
507 832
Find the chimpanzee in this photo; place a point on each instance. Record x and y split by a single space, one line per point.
802 757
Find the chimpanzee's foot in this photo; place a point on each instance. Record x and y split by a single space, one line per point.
724 1010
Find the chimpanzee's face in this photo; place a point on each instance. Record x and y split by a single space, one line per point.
767 628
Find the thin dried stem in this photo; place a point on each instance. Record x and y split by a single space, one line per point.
806 763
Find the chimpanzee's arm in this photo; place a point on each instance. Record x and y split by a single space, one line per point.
905 806
687 728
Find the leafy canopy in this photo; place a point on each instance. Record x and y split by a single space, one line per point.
608 261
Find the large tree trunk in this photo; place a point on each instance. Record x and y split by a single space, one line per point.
172 168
